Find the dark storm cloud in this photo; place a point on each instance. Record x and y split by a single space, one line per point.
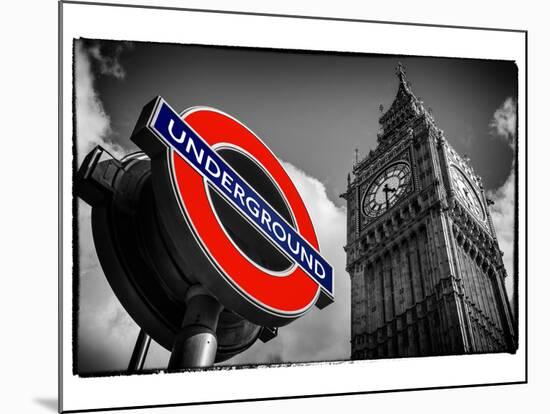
106 55
93 125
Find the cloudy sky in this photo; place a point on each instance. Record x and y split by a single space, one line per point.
312 110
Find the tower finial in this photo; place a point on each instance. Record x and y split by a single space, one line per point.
400 72
356 156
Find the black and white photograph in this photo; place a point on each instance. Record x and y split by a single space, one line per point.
406 165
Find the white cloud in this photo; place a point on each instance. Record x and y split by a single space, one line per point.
503 126
502 214
93 125
320 335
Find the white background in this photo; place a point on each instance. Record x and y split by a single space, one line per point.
29 207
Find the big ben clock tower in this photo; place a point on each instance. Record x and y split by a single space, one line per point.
427 276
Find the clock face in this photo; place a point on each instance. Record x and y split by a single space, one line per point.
386 189
466 193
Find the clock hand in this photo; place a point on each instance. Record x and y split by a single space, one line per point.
469 197
387 189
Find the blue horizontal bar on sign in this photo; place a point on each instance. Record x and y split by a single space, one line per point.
168 126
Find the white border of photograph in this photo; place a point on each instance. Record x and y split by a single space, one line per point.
185 27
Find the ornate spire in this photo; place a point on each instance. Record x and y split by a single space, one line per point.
405 106
400 72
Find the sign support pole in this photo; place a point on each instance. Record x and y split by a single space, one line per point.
196 344
137 360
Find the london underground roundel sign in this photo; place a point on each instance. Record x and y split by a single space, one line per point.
235 221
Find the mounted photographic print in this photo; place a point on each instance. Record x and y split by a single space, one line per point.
267 211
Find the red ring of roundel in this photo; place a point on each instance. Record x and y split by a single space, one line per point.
290 294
